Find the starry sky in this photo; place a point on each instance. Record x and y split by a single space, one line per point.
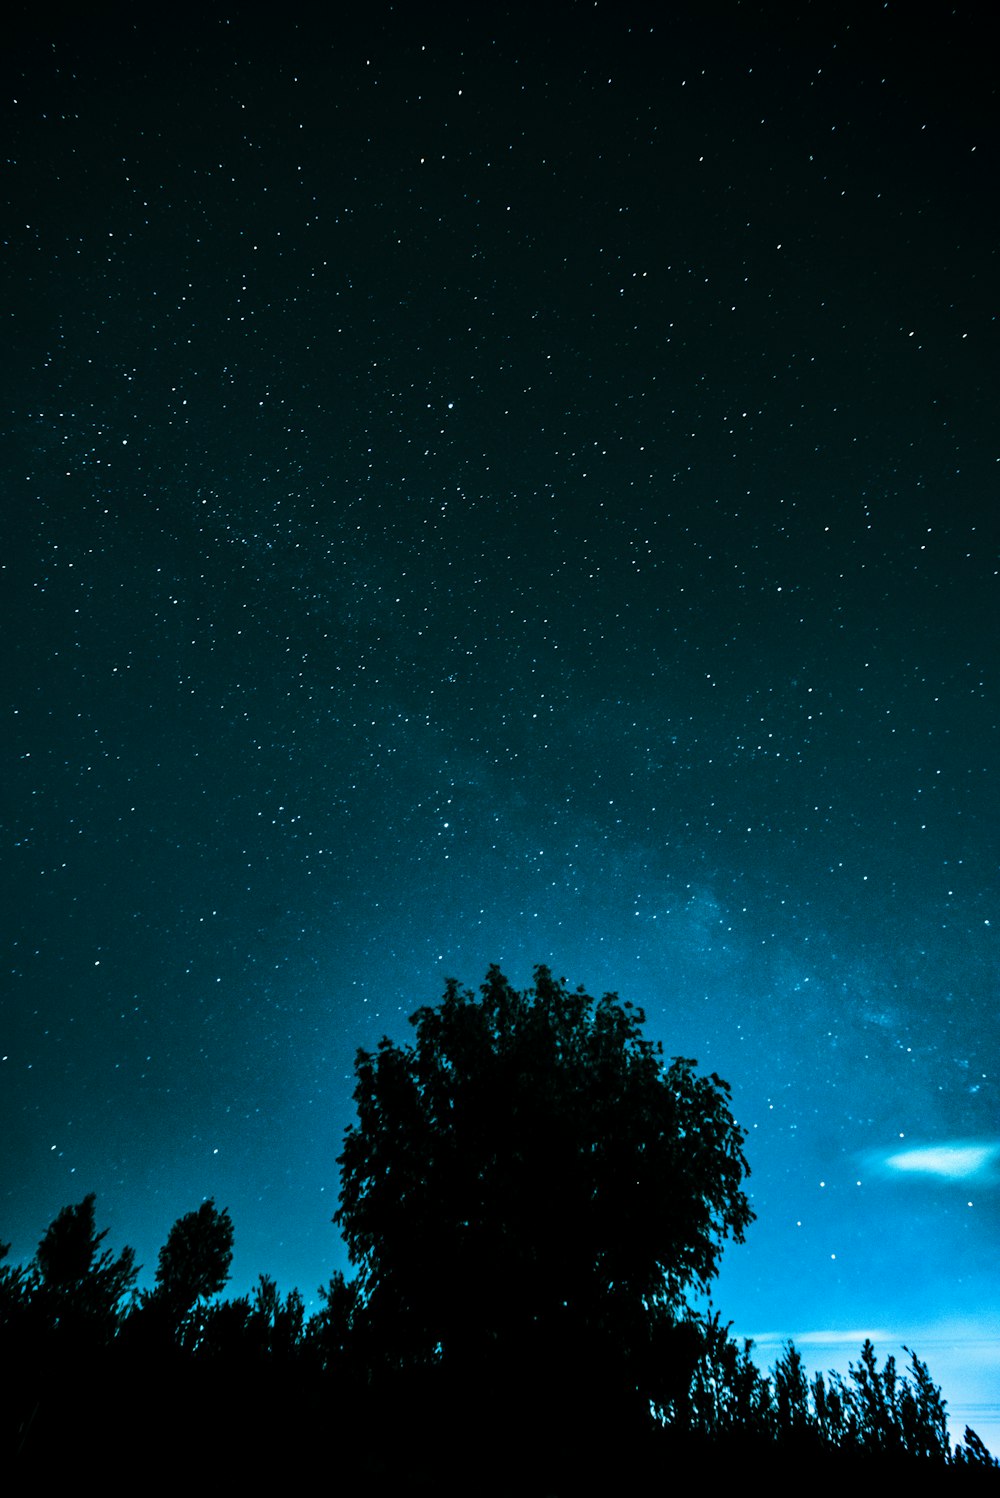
510 489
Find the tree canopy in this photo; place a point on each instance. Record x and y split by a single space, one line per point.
531 1173
76 1277
522 1134
194 1262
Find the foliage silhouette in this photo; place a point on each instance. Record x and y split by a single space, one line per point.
974 1453
333 1331
529 1194
14 1289
529 1184
726 1397
77 1285
194 1262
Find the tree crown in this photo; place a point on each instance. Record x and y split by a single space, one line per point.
73 1268
531 1158
194 1262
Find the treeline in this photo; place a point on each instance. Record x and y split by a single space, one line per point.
97 1373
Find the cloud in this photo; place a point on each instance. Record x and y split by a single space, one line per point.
950 1160
769 1341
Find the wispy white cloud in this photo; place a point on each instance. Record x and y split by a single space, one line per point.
766 1341
949 1160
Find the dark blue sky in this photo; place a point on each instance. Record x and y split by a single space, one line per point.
515 490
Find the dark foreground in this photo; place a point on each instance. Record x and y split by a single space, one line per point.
202 1425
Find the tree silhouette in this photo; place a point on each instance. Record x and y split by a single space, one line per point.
791 1393
974 1453
724 1395
194 1262
561 1386
77 1283
530 1185
885 1412
254 1329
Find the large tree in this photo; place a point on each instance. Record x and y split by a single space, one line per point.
529 1183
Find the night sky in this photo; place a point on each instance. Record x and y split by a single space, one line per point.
514 490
